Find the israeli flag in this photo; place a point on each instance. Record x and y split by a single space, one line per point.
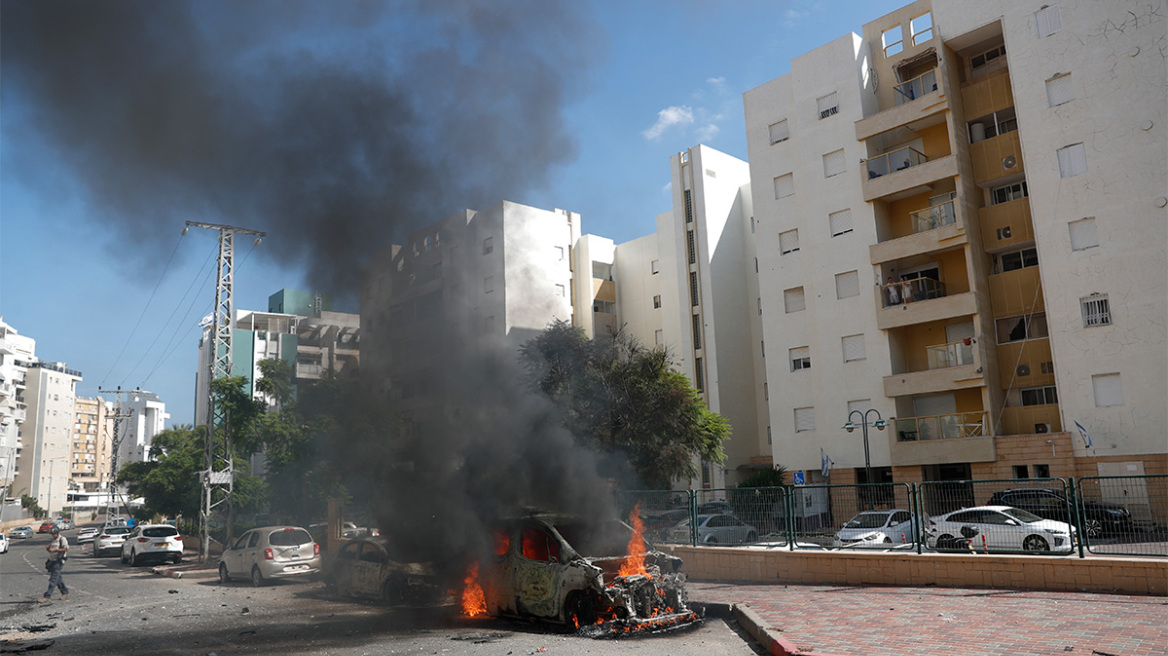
824 463
1086 437
206 321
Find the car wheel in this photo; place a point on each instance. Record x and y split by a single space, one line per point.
711 540
752 537
1094 527
177 559
391 592
1035 543
224 577
257 579
580 609
135 559
123 558
946 541
887 540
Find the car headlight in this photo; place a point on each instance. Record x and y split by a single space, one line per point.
871 536
1055 531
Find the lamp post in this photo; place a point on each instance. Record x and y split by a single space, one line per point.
851 427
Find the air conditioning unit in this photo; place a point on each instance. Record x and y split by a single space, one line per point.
1023 370
1009 162
1040 429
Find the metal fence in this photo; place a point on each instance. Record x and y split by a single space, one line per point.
1116 515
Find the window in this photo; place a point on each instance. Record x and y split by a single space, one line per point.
1108 390
828 105
804 419
922 28
654 267
1049 20
692 247
699 375
1096 310
800 358
784 185
659 337
559 253
766 392
697 332
1016 329
834 164
762 348
693 288
779 132
1058 90
1045 395
847 284
689 206
488 245
488 284
1014 260
560 290
853 348
657 302
759 302
793 300
988 57
840 222
1083 234
892 40
788 241
1009 192
1041 471
1072 160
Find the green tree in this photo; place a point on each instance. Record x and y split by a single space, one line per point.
169 481
624 401
30 504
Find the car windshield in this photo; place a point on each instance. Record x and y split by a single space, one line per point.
289 537
867 520
596 540
1022 515
117 530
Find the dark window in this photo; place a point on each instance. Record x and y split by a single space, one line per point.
160 531
289 537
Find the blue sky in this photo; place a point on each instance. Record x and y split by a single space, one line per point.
108 285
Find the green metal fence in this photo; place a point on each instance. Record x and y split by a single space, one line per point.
1118 515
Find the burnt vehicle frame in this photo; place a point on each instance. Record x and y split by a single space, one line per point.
539 570
366 568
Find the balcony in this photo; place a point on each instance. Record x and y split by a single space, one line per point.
1031 419
911 291
919 310
897 160
941 439
941 427
950 367
997 157
906 172
933 217
1026 363
1016 292
1006 224
917 87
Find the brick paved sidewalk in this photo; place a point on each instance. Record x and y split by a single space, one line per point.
896 621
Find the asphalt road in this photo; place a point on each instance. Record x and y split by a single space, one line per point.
114 608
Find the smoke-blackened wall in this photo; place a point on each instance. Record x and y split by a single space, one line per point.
336 127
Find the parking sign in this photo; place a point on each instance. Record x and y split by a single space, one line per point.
799 480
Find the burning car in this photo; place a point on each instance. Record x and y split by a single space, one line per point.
365 568
598 577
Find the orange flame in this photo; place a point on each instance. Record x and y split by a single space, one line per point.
474 602
635 564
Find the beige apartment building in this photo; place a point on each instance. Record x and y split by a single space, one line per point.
93 427
962 227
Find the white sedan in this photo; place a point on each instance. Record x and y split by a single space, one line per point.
1001 528
716 529
876 528
110 540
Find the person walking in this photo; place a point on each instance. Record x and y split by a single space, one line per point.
58 549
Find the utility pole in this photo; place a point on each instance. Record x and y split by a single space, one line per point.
219 456
120 413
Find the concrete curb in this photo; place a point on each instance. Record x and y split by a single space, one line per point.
767 637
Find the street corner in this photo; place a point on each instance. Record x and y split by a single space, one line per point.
767 636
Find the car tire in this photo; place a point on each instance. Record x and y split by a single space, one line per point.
887 540
1094 527
224 577
752 537
177 559
257 578
135 559
391 592
945 541
123 559
580 609
1035 543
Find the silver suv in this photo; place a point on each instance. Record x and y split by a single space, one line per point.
271 552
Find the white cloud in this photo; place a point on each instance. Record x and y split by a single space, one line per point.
707 132
668 188
667 118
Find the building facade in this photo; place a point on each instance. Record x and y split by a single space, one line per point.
961 224
140 415
47 452
92 442
16 351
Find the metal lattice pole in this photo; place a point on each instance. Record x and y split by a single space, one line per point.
219 455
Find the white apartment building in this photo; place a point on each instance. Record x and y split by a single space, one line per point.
960 224
141 416
44 460
16 351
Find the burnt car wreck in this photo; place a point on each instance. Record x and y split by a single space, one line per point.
597 577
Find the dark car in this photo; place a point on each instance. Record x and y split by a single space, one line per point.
1099 518
364 567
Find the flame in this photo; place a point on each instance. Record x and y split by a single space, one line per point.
474 602
635 564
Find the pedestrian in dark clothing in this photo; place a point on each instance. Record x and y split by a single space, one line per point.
58 549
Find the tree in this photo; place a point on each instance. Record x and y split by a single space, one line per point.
30 504
625 402
169 481
759 499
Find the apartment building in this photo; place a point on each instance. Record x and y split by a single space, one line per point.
16 351
140 416
92 442
300 328
960 222
46 435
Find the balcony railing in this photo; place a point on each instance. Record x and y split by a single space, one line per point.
915 88
941 427
911 291
897 160
933 217
952 354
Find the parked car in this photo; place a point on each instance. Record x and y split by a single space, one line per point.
86 534
3 543
1002 527
66 524
21 533
716 529
365 568
1099 518
876 528
270 553
659 525
109 540
715 507
152 542
45 527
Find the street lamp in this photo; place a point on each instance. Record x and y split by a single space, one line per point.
851 427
